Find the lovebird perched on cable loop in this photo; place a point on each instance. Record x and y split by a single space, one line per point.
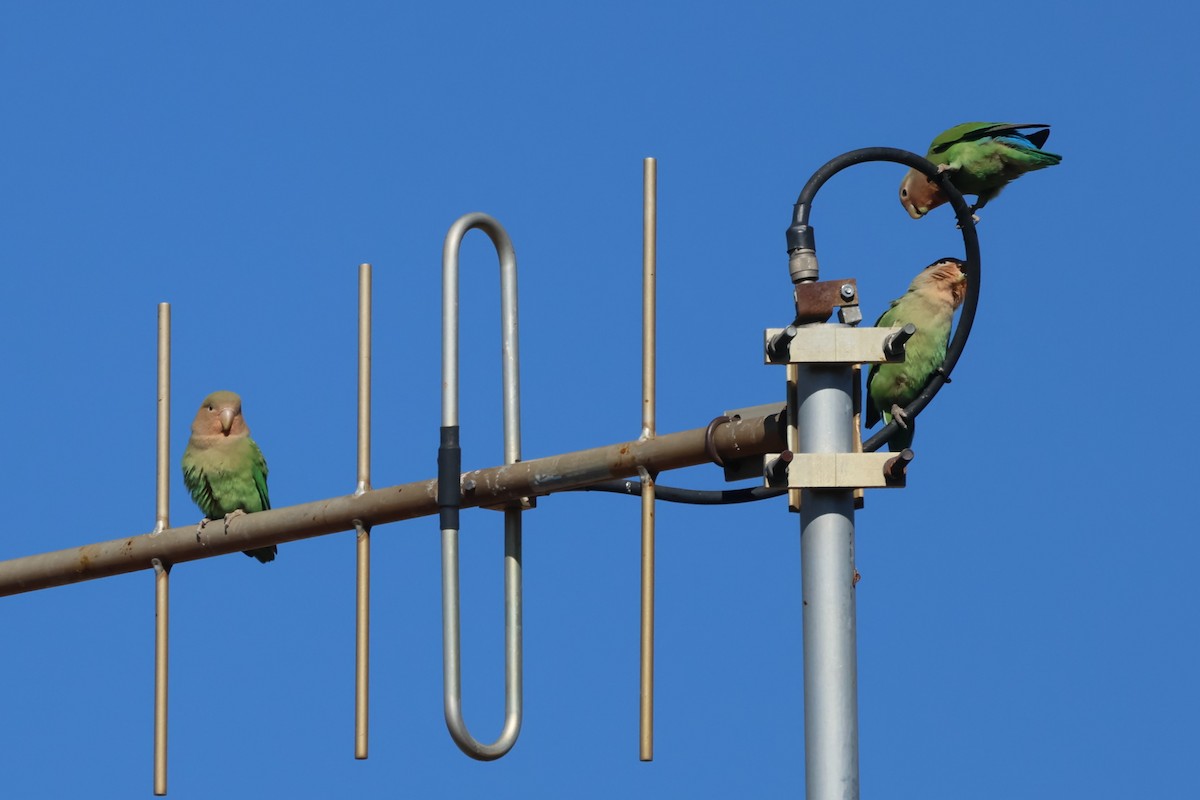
982 158
929 303
222 466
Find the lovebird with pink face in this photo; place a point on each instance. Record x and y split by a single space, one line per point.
982 158
222 466
930 302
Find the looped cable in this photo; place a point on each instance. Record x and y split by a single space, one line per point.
802 258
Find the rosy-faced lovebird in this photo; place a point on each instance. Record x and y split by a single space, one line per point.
223 467
929 304
982 158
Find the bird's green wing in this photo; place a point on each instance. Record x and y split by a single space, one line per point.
884 321
970 131
198 486
258 469
952 136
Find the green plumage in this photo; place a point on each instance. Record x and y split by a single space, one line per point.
224 480
223 468
985 156
929 304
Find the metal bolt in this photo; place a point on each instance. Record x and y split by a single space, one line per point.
847 291
776 469
849 315
777 348
893 345
895 469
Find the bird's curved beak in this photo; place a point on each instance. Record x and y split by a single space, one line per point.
226 420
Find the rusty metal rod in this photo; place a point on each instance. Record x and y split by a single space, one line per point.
362 609
492 486
649 252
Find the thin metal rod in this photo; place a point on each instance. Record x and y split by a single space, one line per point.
362 609
163 449
646 695
362 641
649 300
649 291
162 521
451 629
825 422
364 378
750 436
161 618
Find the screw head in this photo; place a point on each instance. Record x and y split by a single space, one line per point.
847 291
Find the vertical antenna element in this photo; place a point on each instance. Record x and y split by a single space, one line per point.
449 490
362 628
364 379
161 571
161 618
649 251
163 449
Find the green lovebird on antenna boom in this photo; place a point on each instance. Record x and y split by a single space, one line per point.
982 158
223 467
929 304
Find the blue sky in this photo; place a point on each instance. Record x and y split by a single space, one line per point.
1028 605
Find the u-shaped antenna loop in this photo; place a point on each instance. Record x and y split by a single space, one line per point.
450 491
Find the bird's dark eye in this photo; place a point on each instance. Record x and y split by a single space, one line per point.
210 408
904 192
